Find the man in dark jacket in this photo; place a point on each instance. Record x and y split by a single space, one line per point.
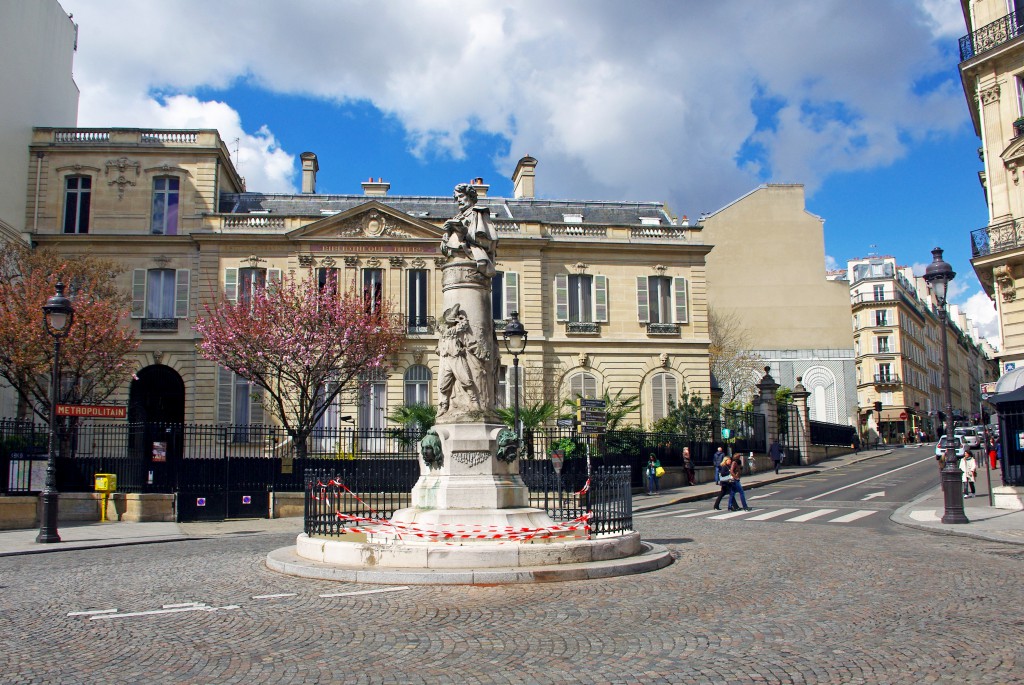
717 461
775 452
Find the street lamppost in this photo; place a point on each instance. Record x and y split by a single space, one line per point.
58 315
515 343
938 275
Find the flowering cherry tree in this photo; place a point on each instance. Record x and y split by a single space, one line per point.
96 357
301 343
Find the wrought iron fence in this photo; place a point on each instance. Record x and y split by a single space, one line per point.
990 36
823 433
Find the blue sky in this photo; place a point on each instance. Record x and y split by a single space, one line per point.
683 101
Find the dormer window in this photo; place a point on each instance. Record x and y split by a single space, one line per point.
572 218
650 221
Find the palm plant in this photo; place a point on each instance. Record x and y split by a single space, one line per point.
415 419
532 416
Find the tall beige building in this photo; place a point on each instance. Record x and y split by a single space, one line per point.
612 294
896 339
767 271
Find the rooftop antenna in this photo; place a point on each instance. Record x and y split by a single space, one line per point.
236 152
874 250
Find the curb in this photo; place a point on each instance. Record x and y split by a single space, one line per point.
900 518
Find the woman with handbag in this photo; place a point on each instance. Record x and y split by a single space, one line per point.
654 473
724 480
736 470
691 475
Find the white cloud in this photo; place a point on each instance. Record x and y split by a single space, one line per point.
646 100
830 263
980 309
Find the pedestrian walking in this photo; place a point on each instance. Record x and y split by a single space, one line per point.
716 461
736 470
691 473
654 471
969 466
776 453
723 474
992 462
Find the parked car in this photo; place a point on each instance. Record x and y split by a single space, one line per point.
958 445
970 436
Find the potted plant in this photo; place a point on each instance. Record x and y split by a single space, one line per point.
1018 127
563 447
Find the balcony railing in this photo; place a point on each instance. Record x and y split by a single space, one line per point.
161 325
990 36
663 329
414 324
887 378
1002 237
581 327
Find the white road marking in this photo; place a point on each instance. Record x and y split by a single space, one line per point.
873 495
925 515
366 592
881 475
852 516
281 594
810 515
657 515
156 612
92 612
767 494
704 512
731 514
771 514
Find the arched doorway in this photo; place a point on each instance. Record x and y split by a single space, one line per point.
156 413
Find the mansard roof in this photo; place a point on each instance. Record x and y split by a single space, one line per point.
434 208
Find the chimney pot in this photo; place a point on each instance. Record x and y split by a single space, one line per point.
523 177
480 187
309 169
378 188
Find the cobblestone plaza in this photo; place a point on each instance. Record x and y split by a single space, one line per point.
745 601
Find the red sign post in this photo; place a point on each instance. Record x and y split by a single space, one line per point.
92 411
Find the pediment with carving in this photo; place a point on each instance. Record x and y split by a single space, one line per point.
372 220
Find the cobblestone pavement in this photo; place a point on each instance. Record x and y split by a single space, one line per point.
806 604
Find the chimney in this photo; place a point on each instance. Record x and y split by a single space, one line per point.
309 169
480 187
522 177
378 188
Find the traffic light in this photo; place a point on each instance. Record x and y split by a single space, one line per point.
878 406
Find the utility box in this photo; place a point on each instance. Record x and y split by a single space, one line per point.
105 482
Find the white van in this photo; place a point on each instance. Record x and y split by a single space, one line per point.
969 435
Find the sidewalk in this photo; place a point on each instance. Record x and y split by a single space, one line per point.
923 513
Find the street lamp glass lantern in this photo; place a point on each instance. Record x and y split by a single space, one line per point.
515 335
58 314
938 274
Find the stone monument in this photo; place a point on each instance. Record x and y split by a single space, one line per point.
469 466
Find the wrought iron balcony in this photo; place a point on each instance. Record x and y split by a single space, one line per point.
990 36
887 379
581 327
159 325
663 329
1002 237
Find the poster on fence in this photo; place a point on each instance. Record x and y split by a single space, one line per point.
159 451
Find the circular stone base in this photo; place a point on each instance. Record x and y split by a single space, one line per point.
650 557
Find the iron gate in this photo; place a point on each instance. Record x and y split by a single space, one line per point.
789 432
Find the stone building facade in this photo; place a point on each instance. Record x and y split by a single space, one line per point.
613 294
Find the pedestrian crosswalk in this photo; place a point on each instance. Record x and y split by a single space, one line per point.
779 514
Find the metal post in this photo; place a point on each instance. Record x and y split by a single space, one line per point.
48 516
952 477
515 391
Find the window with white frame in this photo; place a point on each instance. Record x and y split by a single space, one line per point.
160 293
507 386
416 311
164 219
882 344
238 403
504 294
884 371
878 292
417 385
241 285
77 198
881 317
662 299
327 277
664 391
583 385
581 298
373 289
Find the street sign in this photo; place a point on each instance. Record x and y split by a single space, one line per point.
988 389
92 411
595 404
903 416
590 416
591 430
565 423
556 461
726 433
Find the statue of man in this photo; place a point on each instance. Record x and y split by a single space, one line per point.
455 348
470 231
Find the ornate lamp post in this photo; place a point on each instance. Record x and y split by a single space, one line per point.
515 343
938 275
58 315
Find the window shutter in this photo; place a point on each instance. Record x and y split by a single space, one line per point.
181 284
643 308
576 386
511 292
679 295
589 386
225 385
255 406
231 285
561 297
671 392
658 397
139 293
601 299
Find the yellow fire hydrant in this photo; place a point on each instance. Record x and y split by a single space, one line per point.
105 483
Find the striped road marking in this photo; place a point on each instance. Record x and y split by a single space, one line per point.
853 516
366 592
771 514
280 594
731 514
810 515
